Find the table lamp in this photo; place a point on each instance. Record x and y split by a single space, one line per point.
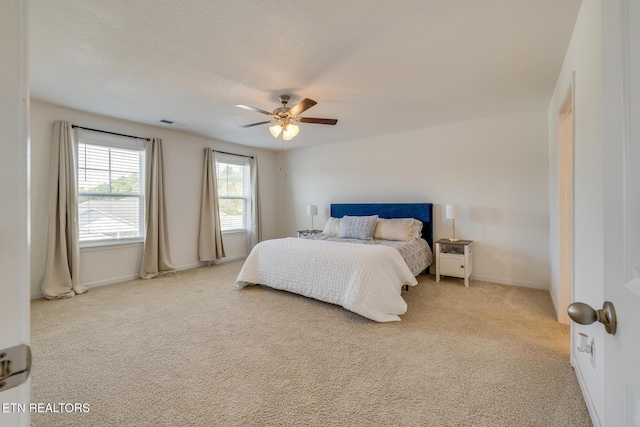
452 212
312 210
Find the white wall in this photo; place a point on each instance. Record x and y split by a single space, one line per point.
496 168
584 57
183 162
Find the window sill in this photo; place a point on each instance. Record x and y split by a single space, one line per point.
112 245
230 232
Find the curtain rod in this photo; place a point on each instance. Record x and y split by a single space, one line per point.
110 133
233 154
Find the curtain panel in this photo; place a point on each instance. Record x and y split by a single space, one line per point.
210 247
62 272
156 258
256 220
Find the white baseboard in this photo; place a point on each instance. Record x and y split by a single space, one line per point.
111 281
38 295
97 283
585 394
233 258
555 305
189 266
520 283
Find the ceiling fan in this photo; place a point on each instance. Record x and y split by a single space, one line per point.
285 116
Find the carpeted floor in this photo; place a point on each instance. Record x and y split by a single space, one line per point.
190 349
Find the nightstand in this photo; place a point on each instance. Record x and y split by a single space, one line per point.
454 259
302 233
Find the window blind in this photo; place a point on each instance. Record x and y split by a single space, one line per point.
110 191
232 175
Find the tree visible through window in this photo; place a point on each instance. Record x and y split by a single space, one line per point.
233 193
110 192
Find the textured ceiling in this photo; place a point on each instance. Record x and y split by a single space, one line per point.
378 67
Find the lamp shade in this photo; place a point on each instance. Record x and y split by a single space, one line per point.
290 132
452 211
312 210
275 130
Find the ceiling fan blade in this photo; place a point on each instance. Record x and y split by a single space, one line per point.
257 110
256 124
319 121
301 106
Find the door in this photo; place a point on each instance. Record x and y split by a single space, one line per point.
14 213
621 161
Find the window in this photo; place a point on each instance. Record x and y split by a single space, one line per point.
110 190
233 176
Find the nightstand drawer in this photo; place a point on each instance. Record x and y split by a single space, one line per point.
452 265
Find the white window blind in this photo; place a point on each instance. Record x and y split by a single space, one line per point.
232 174
110 189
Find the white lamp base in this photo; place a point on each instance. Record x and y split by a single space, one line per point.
454 238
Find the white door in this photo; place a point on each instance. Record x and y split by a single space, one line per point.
14 213
621 160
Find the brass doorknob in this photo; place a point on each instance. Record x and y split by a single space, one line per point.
582 313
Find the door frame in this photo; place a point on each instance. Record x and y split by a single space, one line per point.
565 207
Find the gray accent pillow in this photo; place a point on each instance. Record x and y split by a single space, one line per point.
358 227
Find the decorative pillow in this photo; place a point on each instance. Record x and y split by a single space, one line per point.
404 229
358 227
332 228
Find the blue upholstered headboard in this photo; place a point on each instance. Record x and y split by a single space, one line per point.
420 211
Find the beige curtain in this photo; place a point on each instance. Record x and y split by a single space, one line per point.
61 276
256 220
156 259
210 247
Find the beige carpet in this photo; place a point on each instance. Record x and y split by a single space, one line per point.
191 349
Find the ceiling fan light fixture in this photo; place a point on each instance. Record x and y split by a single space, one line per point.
285 115
275 130
290 132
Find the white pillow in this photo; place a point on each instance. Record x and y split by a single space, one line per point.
417 228
332 228
404 229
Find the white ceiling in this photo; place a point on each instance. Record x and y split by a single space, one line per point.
377 66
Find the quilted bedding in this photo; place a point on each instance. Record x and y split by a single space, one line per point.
417 253
365 279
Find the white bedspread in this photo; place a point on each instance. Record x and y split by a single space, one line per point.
365 279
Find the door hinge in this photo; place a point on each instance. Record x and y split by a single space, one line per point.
15 366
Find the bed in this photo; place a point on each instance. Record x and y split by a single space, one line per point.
366 279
